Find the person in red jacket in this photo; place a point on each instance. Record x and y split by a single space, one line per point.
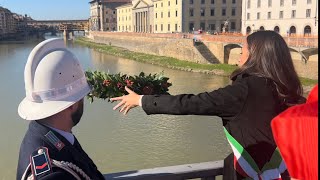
296 134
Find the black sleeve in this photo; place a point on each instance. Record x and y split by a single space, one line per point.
224 102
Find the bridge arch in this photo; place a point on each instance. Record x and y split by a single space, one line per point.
304 57
227 49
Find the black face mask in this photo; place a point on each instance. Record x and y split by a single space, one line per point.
76 116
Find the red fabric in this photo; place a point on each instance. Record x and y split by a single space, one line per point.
296 134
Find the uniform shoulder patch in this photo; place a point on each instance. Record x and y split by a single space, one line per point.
40 162
54 140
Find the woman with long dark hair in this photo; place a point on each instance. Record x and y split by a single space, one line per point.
265 84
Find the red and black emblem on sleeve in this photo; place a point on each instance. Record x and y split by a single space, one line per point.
40 162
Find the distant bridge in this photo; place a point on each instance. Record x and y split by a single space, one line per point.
67 26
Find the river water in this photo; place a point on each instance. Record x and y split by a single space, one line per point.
116 142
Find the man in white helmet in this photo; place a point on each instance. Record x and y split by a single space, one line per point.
55 87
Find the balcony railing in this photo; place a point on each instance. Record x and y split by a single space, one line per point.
205 171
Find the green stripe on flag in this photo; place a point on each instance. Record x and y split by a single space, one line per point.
242 151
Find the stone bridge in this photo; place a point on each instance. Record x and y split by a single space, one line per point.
66 26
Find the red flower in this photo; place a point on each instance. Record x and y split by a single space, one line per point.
129 83
106 82
120 85
147 90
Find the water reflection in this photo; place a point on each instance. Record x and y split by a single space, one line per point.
114 141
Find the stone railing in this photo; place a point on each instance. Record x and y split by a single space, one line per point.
204 171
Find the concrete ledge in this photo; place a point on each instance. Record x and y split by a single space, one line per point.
204 170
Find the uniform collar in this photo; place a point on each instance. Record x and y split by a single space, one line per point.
67 135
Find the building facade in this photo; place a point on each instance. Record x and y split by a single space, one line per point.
7 22
124 21
103 14
167 16
288 17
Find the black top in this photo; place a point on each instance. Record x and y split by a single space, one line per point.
35 137
246 108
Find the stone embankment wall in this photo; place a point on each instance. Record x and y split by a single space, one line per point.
173 45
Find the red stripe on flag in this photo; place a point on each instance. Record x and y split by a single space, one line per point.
238 168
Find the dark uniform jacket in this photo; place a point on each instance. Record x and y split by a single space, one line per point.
246 108
35 138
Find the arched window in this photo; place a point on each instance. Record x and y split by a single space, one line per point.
276 29
292 30
307 31
261 28
248 31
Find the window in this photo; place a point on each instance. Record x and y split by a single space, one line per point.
156 15
308 13
191 26
156 27
293 14
223 11
281 15
269 3
176 27
202 11
176 13
161 14
276 29
294 2
224 2
161 27
212 12
203 2
169 3
191 12
106 12
258 15
176 2
161 4
281 2
168 27
233 12
107 20
212 27
212 1
248 16
248 4
307 30
309 1
202 26
259 3
169 14
269 15
191 2
156 5
233 25
233 1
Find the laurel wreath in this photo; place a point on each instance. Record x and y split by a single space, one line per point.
106 86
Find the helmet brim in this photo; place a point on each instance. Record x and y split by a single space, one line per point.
30 110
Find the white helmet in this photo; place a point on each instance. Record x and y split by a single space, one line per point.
54 80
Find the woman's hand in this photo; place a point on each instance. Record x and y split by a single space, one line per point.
127 102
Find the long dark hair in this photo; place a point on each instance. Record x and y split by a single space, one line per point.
269 57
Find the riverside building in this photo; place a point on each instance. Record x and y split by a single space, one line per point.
7 22
288 17
167 16
103 14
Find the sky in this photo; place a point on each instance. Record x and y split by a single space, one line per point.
49 9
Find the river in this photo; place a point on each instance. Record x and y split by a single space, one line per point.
116 142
